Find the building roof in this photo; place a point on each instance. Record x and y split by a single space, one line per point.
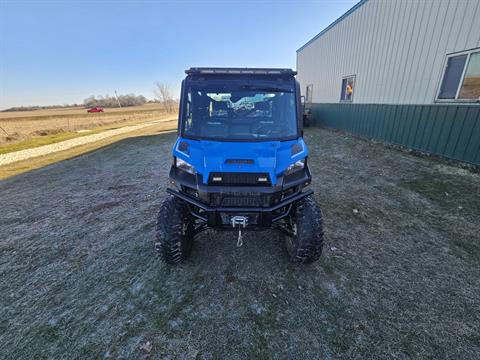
355 7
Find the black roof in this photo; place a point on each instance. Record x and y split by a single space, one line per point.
239 71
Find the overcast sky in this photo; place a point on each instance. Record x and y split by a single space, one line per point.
59 52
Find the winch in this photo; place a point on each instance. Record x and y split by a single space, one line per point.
240 221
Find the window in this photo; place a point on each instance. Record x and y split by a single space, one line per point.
471 81
308 93
348 84
461 78
231 109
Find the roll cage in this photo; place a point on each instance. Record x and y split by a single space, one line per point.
261 77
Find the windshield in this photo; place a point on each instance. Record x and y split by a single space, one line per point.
240 110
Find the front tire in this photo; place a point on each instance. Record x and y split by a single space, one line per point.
305 246
174 231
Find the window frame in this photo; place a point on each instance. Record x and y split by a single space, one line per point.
462 77
354 76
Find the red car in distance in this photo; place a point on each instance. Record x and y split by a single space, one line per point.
95 109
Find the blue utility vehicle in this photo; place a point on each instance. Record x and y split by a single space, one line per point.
240 163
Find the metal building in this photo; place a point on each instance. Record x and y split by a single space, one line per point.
404 71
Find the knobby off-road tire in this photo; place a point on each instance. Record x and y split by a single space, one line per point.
174 231
306 121
305 246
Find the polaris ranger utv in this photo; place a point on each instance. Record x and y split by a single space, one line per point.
239 163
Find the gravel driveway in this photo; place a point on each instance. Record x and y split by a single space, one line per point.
399 278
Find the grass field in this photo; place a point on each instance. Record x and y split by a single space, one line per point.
399 277
20 167
24 129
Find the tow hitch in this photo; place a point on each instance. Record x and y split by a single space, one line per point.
241 222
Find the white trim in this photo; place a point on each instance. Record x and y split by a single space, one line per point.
309 93
440 82
456 101
462 77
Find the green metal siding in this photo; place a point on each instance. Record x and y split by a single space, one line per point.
452 131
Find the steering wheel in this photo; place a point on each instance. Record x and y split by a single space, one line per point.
244 113
257 129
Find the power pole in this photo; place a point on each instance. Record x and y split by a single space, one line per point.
118 101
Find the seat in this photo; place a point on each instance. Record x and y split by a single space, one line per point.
216 124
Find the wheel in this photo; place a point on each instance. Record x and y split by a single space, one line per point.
174 231
305 246
306 121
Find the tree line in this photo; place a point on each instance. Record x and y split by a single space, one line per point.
115 101
163 95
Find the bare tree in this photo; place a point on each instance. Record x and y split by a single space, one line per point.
164 95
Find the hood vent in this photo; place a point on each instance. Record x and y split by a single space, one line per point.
239 161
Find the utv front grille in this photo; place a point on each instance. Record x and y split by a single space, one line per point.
240 201
239 179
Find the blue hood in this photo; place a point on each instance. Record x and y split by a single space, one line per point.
271 157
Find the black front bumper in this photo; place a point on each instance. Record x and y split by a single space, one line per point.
264 205
262 216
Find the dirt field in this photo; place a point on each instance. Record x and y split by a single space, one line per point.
24 125
399 278
73 111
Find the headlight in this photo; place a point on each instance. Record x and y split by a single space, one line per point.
183 165
296 166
